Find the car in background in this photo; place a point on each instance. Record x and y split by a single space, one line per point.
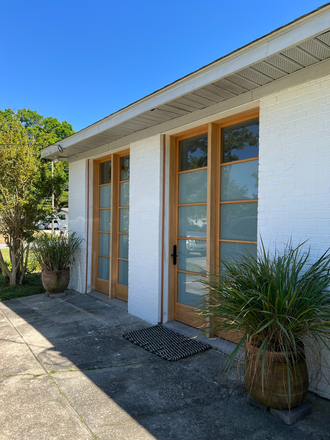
56 225
196 246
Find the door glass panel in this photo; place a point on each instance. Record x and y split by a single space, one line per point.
105 196
105 220
123 220
124 194
235 251
124 168
239 181
240 141
193 187
239 221
123 272
193 152
123 246
192 255
105 172
104 264
104 244
190 290
192 221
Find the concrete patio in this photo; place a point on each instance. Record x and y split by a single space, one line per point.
67 372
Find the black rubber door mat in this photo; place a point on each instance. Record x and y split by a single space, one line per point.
165 343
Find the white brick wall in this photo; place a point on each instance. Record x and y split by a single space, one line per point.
77 220
145 225
294 172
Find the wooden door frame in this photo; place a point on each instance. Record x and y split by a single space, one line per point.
213 194
98 282
111 285
120 291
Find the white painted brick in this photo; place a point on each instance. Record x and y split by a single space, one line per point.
77 220
294 173
145 247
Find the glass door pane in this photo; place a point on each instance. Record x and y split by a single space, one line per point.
191 225
104 225
239 190
123 233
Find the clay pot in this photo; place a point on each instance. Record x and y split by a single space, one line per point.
55 281
275 392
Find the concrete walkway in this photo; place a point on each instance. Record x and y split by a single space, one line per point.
67 373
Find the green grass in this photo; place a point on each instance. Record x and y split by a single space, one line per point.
32 284
5 254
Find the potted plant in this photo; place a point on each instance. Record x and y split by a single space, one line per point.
55 254
279 307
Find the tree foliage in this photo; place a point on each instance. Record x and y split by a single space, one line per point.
44 132
26 182
25 188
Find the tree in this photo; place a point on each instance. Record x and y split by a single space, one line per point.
46 131
25 188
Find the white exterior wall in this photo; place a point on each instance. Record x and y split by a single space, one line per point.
145 228
77 220
294 173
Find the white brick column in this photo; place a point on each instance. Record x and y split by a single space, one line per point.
294 172
145 228
78 220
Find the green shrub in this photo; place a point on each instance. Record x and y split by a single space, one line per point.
274 303
56 252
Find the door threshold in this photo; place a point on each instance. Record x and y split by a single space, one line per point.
215 342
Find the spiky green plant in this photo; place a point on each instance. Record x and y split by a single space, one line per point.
275 303
56 252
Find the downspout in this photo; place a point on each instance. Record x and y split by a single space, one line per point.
87 224
163 234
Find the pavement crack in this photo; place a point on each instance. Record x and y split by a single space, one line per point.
22 374
103 368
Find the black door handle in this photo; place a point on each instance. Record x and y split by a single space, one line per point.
174 255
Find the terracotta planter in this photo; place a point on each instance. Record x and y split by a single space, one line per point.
275 393
55 281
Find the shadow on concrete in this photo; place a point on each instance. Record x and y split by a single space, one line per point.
69 355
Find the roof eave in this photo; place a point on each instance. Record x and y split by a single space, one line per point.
285 37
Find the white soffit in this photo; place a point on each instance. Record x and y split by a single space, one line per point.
290 49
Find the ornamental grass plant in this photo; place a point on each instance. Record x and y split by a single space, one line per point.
278 304
56 252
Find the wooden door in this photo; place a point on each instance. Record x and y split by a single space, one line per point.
213 214
190 246
102 225
122 239
110 225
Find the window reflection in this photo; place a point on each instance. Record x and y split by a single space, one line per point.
105 172
192 221
240 141
239 181
193 152
124 168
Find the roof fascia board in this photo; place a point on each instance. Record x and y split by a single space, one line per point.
239 103
286 37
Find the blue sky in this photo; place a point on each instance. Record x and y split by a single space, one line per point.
79 61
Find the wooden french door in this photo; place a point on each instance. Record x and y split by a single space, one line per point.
102 224
190 224
121 269
214 211
110 225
